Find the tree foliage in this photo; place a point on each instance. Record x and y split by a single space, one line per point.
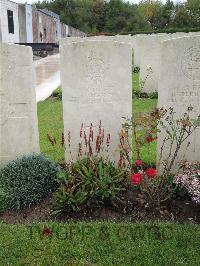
117 16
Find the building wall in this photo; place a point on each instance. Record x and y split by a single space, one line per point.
44 27
58 30
22 23
64 29
29 27
57 21
35 25
5 35
72 32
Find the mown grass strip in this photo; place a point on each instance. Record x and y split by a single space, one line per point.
100 243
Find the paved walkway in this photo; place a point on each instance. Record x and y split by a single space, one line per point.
47 76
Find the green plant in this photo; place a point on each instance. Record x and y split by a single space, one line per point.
140 94
143 95
138 85
90 142
154 189
142 82
87 182
153 95
4 199
136 69
143 129
57 93
28 180
176 133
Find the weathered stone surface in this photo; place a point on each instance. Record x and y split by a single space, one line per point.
18 113
136 45
179 86
96 82
149 61
147 49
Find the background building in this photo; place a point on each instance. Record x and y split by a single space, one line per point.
9 22
23 23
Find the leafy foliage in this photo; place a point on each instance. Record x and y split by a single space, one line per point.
117 16
143 129
3 199
154 189
28 180
57 93
87 182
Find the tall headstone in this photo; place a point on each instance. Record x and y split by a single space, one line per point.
18 111
179 87
136 44
96 82
149 61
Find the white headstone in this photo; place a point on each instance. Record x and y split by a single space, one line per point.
179 86
149 61
18 111
96 82
136 44
149 47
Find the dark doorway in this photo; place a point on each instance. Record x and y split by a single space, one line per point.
10 21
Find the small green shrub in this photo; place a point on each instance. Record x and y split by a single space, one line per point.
136 69
57 93
153 95
139 94
145 95
4 199
29 180
90 182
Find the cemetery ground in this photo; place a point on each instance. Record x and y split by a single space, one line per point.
51 123
105 236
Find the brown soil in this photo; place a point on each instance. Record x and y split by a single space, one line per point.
180 211
38 213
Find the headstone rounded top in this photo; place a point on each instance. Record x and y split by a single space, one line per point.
191 63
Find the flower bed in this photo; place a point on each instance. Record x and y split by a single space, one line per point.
93 187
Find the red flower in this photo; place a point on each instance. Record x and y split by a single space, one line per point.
151 173
47 232
150 139
138 162
136 179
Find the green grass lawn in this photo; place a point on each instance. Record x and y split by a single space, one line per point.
51 122
100 243
135 81
148 154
